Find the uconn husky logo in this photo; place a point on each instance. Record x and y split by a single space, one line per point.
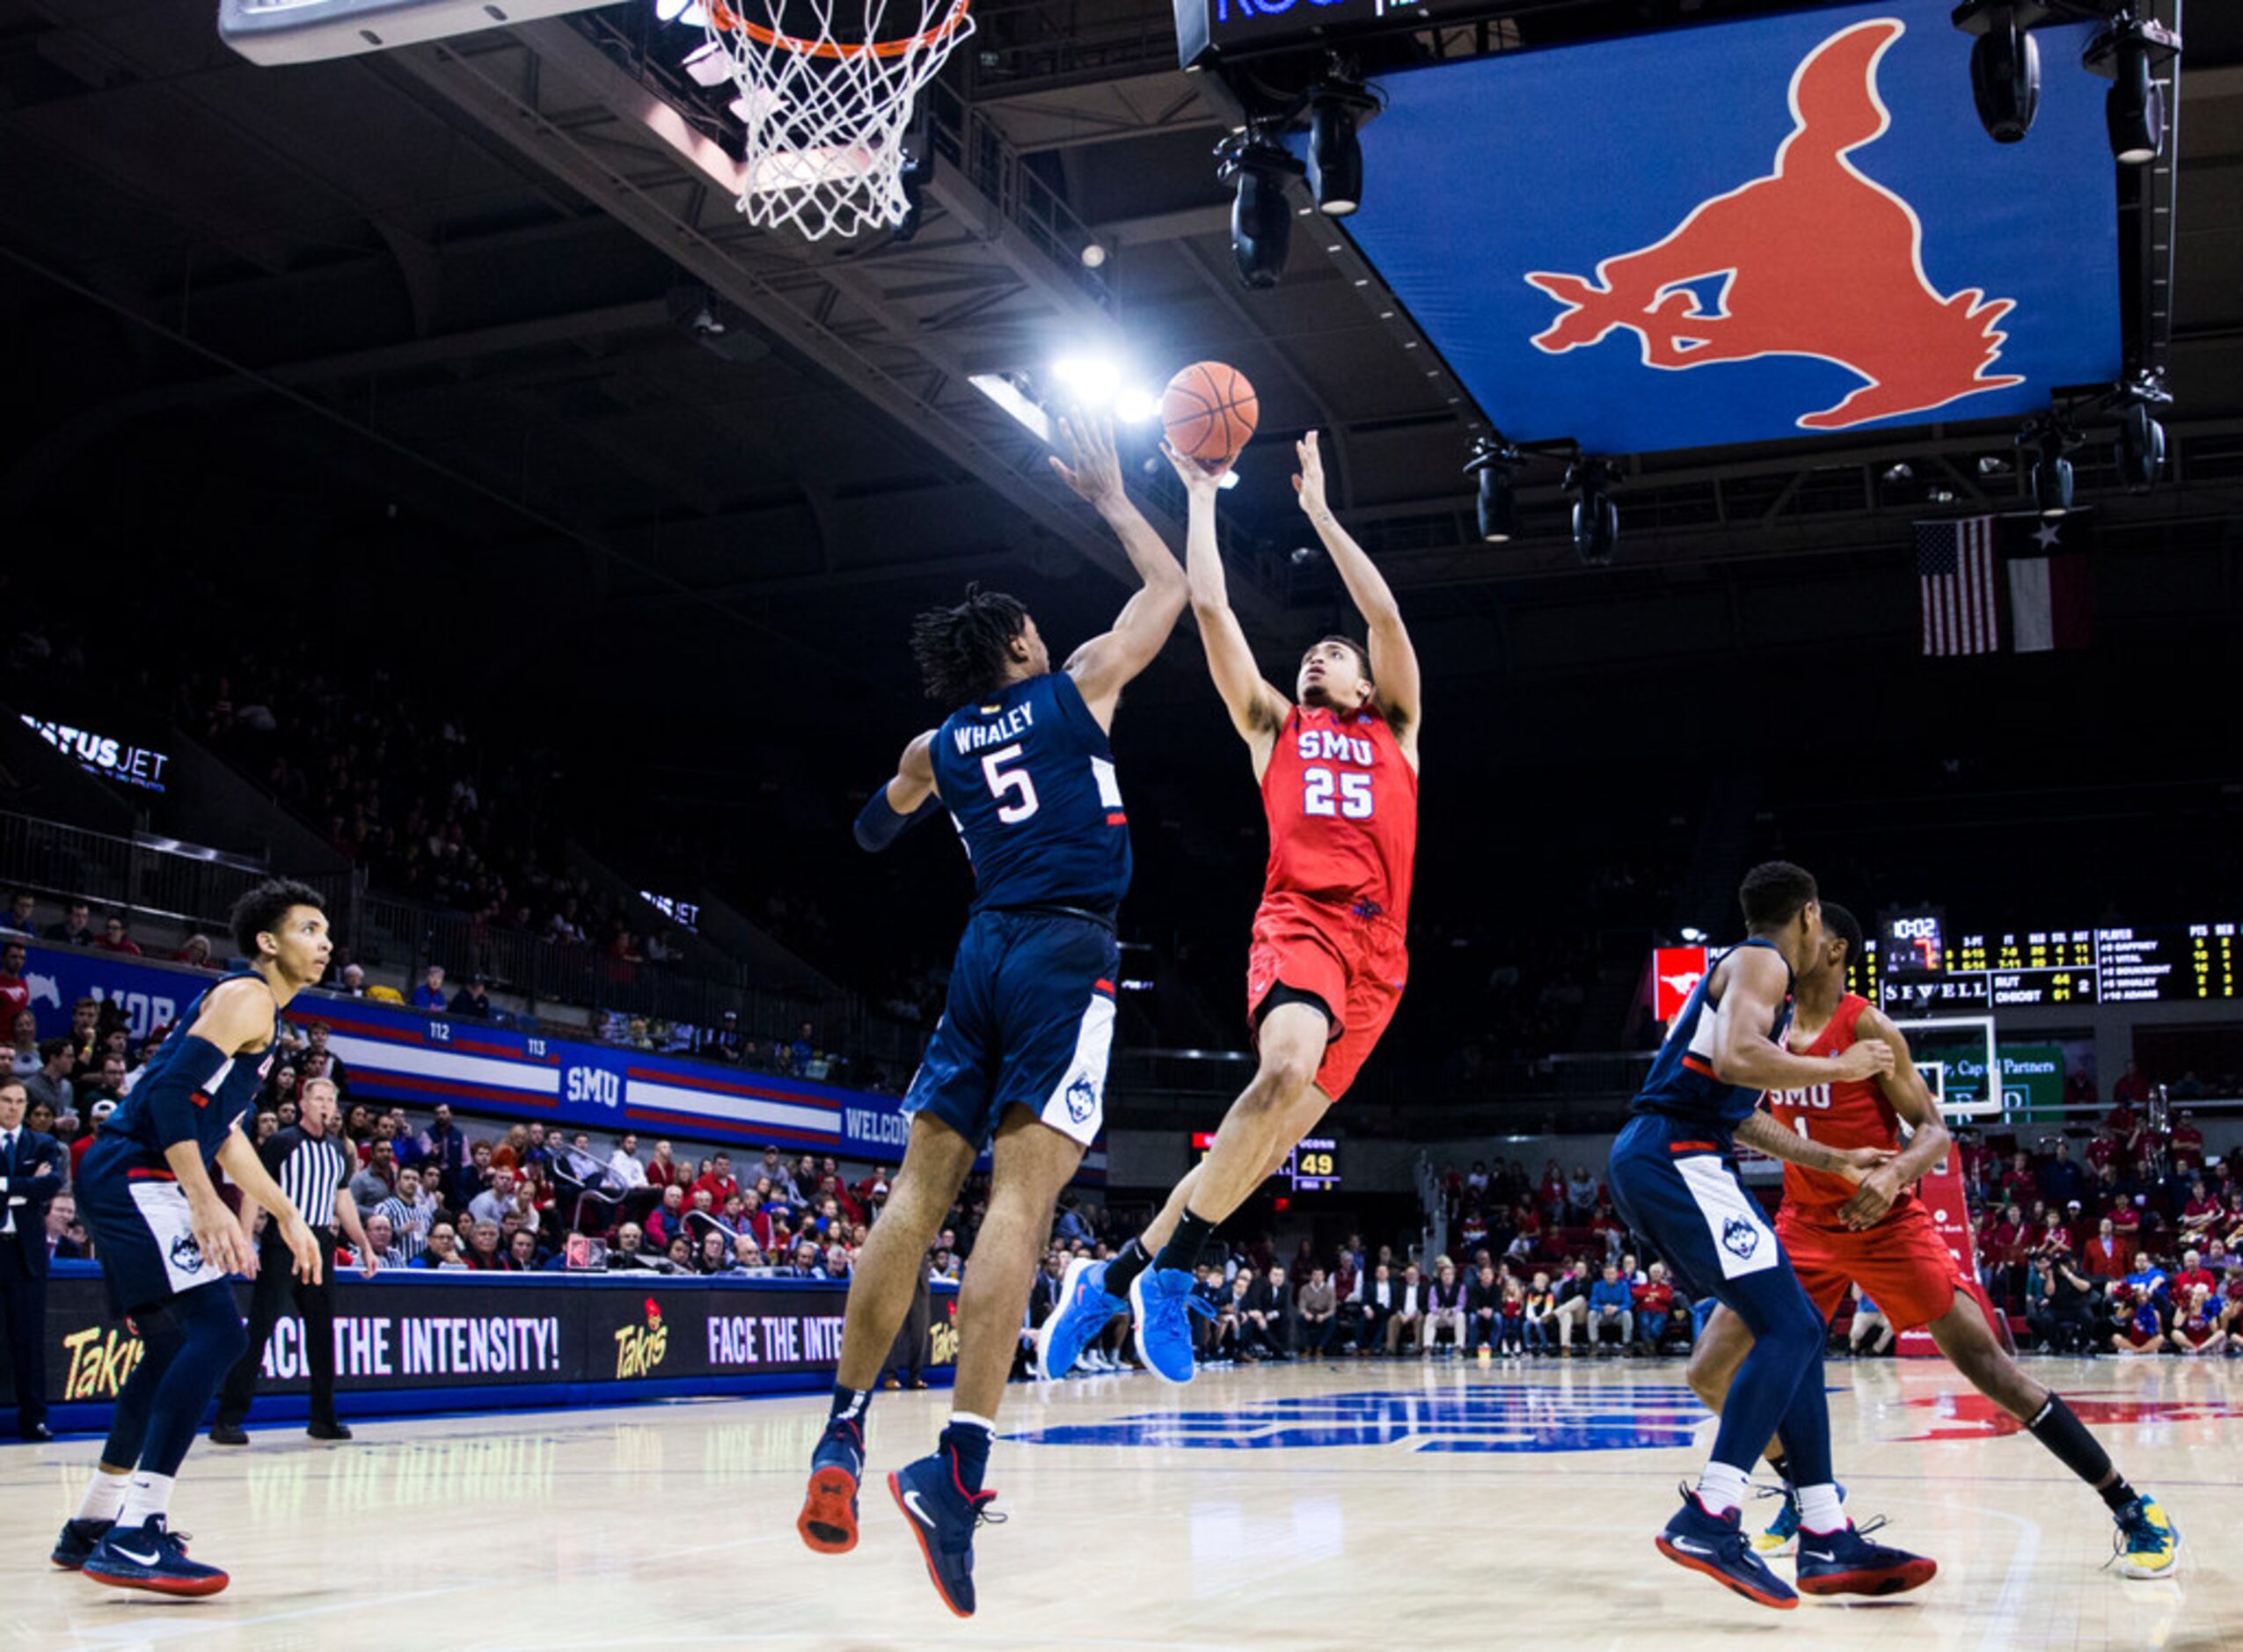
1082 1099
1740 1237
186 1255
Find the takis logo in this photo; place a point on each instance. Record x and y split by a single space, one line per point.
100 1360
1816 259
638 1349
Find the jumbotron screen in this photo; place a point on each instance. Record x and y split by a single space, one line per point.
2167 963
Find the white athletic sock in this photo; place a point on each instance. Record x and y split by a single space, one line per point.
966 1419
105 1496
1722 1488
150 1495
1820 1510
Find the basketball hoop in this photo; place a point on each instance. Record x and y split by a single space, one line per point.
825 102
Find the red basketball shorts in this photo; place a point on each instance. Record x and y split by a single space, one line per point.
1902 1262
1358 966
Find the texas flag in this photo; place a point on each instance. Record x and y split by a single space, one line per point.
2049 583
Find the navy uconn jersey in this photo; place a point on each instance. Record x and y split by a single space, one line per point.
217 1107
1682 1084
1028 778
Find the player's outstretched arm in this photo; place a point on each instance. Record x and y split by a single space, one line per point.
1104 665
1911 1099
1763 1130
1257 709
896 808
1393 661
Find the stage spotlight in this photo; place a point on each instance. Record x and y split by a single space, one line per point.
2141 434
1336 109
2004 64
2052 477
2128 53
1597 518
2141 448
1493 460
1261 218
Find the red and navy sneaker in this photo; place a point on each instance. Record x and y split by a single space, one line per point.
79 1539
828 1522
1716 1545
943 1516
153 1557
1847 1563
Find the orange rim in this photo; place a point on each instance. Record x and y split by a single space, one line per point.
724 18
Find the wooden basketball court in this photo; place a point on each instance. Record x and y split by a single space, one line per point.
1455 1504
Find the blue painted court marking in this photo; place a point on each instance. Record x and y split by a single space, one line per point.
1495 1417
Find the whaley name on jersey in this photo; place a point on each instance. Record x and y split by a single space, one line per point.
1332 745
971 737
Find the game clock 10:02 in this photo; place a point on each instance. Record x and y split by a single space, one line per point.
1313 1167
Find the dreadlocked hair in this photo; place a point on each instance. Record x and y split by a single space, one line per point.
964 651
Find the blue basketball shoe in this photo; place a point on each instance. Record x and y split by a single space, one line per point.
1716 1545
79 1540
1847 1563
1086 1308
1164 1302
2148 1542
1778 1539
828 1522
944 1516
150 1556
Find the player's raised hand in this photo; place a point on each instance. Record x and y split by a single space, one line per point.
1196 477
1309 485
1095 473
1870 1058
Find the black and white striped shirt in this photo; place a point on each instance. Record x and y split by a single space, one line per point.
409 1226
311 1169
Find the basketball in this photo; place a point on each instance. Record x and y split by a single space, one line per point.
1209 411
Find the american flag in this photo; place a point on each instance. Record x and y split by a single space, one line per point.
1956 565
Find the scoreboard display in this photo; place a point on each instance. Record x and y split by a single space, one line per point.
1311 1168
2171 963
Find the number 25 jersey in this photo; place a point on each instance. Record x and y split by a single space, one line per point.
1028 777
1342 806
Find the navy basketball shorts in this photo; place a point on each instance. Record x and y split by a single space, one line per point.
142 1232
1676 1183
1028 1023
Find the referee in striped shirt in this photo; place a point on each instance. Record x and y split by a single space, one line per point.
312 1162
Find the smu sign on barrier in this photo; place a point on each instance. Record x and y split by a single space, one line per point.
419 1059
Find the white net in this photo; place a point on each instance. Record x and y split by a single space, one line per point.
826 102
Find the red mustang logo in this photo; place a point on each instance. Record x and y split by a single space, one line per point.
1973 1416
1813 260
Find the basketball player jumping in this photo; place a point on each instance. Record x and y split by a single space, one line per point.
1023 768
167 1242
1339 775
1877 1235
1673 1173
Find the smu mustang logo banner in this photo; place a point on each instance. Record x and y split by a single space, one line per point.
1770 228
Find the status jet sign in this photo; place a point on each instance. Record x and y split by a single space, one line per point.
1780 227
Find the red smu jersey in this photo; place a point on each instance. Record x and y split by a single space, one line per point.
1853 1113
1342 806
